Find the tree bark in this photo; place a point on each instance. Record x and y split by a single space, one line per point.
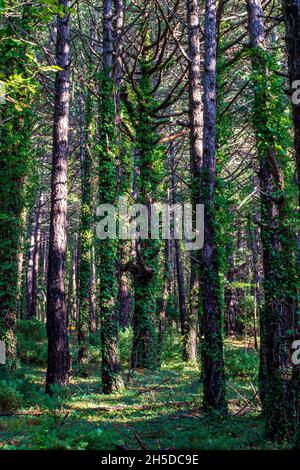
58 347
212 347
277 317
196 157
35 261
291 11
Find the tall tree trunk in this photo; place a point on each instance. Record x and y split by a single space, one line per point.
212 347
86 230
164 299
108 249
230 298
146 281
93 300
58 347
36 257
196 156
71 296
29 271
180 278
124 277
291 11
277 318
256 278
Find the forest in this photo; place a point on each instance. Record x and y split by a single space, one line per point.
149 225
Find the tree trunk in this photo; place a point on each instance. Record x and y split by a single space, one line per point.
212 348
71 297
86 230
36 257
93 300
291 11
230 298
256 278
58 347
108 249
196 157
184 321
277 318
164 300
29 272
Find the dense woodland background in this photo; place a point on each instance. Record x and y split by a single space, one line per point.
145 344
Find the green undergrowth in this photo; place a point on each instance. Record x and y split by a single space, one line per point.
156 410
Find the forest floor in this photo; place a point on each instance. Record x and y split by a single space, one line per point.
156 410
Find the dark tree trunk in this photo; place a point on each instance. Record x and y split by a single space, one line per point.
212 347
291 11
277 317
58 348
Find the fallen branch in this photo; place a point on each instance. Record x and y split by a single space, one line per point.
140 441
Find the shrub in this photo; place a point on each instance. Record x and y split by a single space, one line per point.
125 344
32 342
10 397
242 364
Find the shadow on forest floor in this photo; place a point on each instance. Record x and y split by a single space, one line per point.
156 410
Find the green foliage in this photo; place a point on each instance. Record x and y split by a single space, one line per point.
125 342
108 249
241 365
150 164
15 159
74 418
10 396
86 237
32 342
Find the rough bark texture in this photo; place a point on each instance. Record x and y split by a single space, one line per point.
36 258
212 348
291 11
196 156
277 317
58 348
